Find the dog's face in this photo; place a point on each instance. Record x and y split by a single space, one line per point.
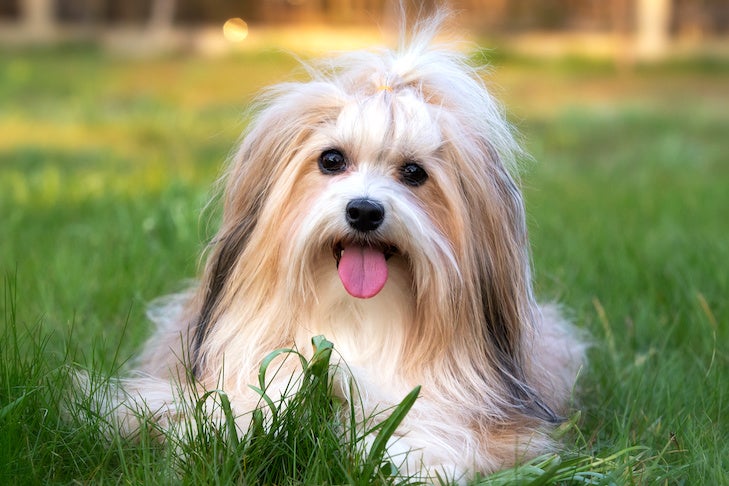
386 176
355 180
370 190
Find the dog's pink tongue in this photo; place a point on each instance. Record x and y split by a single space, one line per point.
363 271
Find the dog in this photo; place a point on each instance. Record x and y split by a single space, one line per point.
377 204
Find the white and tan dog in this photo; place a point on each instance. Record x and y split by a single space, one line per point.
376 204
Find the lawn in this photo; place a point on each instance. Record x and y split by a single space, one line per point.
107 163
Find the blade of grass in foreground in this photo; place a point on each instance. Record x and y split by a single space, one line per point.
551 469
305 437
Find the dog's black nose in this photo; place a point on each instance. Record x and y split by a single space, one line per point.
365 214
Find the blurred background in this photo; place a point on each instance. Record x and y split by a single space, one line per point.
624 29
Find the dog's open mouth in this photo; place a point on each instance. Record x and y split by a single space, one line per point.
362 268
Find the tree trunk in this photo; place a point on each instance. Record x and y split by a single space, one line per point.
653 20
162 17
38 19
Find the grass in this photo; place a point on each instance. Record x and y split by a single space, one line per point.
105 165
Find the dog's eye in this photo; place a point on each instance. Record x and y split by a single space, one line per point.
332 162
413 174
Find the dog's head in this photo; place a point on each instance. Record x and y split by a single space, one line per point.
384 162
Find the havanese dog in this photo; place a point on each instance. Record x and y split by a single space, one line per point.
377 204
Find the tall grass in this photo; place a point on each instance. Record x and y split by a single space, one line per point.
105 165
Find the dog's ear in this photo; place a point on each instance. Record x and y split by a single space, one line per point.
509 310
508 305
242 206
287 115
225 249
499 267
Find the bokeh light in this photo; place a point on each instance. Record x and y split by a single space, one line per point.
235 30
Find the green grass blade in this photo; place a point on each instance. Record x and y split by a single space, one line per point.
386 429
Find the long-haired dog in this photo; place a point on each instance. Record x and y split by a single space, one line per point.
376 204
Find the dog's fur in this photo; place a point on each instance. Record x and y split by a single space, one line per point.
457 314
